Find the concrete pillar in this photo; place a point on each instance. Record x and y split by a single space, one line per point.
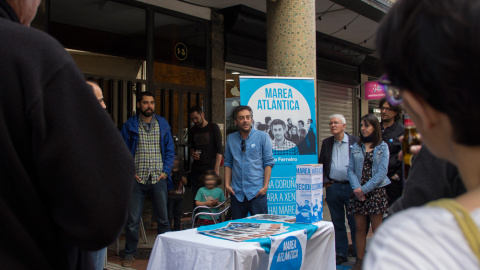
291 49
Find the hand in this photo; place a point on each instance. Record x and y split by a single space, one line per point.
327 184
195 155
215 202
138 178
414 148
229 190
262 191
217 170
362 198
162 176
359 193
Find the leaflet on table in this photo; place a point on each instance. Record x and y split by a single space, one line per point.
240 231
278 218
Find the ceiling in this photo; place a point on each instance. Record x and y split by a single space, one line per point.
332 19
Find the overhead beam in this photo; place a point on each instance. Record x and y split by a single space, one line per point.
373 10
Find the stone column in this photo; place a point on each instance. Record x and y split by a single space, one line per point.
291 49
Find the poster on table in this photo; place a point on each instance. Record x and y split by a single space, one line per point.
284 108
288 251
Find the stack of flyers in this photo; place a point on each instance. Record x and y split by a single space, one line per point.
278 218
240 231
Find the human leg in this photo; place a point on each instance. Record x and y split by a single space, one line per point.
361 237
159 196
177 213
336 205
133 219
170 207
193 182
99 258
239 209
376 221
258 205
346 192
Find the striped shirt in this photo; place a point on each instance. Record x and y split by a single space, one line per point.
148 157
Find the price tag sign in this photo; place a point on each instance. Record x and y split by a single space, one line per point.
181 51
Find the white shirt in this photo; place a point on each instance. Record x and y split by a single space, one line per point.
421 238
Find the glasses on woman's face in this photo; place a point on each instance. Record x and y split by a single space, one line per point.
243 146
392 93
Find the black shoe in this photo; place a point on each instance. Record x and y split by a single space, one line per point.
351 251
341 259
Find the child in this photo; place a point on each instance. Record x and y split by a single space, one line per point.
209 195
175 196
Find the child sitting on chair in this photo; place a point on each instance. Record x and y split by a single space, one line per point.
209 195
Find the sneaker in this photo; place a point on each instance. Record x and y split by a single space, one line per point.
128 260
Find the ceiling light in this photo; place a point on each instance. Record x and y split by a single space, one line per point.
229 80
235 73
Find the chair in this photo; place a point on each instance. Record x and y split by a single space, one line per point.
213 215
142 231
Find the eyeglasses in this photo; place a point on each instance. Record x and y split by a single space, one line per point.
243 146
392 93
385 108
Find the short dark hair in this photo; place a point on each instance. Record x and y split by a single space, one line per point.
395 108
196 109
143 94
210 173
372 120
241 108
301 121
278 122
430 48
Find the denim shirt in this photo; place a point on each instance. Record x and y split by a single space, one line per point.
379 167
248 167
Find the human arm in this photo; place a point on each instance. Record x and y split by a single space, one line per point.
217 135
218 161
228 169
377 179
85 171
169 151
266 179
209 203
352 177
321 160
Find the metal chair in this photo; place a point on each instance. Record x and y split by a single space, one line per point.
142 231
213 215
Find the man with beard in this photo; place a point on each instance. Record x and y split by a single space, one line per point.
392 129
205 141
148 137
248 166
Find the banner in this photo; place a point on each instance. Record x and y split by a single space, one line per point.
373 90
288 251
284 108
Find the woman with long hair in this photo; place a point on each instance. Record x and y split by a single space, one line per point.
367 174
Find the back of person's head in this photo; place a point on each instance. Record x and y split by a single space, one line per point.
144 94
431 48
210 173
372 120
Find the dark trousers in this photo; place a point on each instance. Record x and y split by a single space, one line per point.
257 205
394 191
195 184
175 212
338 196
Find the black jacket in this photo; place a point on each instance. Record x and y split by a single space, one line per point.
66 174
390 137
326 155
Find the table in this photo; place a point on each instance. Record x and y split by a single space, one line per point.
190 250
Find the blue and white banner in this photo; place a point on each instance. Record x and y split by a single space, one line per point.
288 251
284 108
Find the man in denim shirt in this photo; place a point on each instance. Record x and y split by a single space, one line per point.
248 166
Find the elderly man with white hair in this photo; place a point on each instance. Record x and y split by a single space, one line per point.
334 155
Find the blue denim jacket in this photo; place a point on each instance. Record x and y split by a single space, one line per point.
379 167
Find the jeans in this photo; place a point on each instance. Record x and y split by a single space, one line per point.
257 205
99 258
338 196
175 212
158 195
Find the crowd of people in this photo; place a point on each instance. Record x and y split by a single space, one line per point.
72 183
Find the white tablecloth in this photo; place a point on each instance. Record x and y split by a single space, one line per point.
190 250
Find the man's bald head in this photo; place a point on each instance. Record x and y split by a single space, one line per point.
97 91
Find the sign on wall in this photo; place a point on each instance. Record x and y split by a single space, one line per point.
284 108
373 90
